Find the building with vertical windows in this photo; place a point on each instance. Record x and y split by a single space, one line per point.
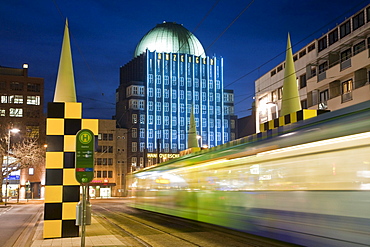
21 106
170 76
110 168
332 71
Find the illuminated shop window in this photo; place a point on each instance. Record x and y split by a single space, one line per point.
33 100
16 112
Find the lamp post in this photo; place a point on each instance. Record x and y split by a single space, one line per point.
14 130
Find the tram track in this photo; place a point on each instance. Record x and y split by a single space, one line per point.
143 228
129 231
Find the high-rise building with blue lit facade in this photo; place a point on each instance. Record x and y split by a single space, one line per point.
169 77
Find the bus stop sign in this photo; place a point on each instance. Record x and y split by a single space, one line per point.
85 141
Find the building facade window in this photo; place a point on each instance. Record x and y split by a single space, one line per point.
302 81
323 67
134 147
345 55
142 146
323 98
347 90
311 47
322 43
16 99
333 37
16 86
358 20
134 132
357 48
16 112
33 87
150 92
166 107
142 133
33 100
134 118
142 118
345 29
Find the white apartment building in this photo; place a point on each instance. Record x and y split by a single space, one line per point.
332 72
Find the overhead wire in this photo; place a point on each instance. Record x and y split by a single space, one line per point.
295 44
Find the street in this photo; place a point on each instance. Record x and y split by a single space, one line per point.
14 222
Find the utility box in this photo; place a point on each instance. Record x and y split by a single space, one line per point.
79 214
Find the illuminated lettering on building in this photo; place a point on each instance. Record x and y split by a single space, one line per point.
167 156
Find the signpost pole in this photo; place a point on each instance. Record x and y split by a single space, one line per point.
83 222
84 169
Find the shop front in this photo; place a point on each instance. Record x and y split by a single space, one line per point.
99 189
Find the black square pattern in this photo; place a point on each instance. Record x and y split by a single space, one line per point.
53 211
69 160
55 143
54 177
300 115
55 110
71 193
69 229
287 119
72 126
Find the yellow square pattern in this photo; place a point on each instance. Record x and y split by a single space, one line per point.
69 210
52 228
54 160
53 193
91 124
271 124
55 126
309 114
73 110
69 143
293 117
69 177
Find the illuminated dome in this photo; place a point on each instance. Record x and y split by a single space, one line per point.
170 37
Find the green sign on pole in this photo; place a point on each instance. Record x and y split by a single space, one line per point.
85 142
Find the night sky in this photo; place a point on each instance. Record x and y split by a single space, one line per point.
249 35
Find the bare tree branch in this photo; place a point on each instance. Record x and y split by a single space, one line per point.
24 154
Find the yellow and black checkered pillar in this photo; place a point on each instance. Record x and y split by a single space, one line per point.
290 118
62 191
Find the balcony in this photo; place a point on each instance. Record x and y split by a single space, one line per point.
346 97
321 76
345 64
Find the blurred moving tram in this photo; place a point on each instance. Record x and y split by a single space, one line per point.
306 183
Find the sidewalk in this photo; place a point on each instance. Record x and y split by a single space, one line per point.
96 235
32 235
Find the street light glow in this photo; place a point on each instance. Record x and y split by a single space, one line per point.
14 130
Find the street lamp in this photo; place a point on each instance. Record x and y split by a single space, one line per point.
14 130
